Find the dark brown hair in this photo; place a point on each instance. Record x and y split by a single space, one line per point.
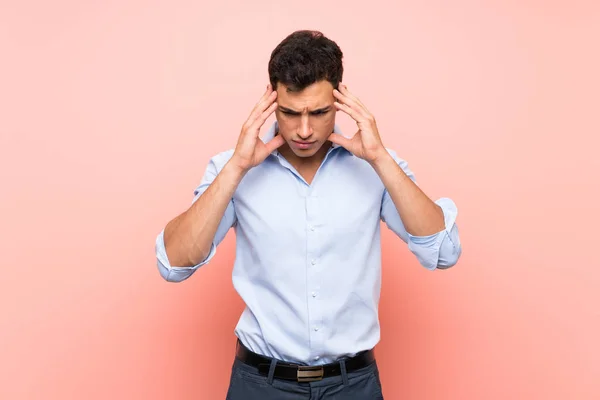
303 58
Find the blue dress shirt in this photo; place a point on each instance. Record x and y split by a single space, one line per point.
308 257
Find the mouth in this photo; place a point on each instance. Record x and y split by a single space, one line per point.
303 145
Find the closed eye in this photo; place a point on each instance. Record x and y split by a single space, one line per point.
315 113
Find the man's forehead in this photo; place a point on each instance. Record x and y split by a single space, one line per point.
305 103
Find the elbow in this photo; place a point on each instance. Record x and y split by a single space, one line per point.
182 272
165 265
449 260
169 272
174 275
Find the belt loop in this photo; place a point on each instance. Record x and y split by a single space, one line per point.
271 371
344 373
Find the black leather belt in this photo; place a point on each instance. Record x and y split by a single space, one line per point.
302 373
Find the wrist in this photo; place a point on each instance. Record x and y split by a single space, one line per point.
381 158
235 169
239 164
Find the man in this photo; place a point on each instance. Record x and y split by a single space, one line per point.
306 204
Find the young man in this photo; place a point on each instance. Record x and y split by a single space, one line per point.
306 204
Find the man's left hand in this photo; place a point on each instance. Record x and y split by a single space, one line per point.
366 142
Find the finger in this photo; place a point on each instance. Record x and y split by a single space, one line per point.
265 101
265 95
274 143
260 119
344 90
350 111
350 103
345 97
263 98
336 138
261 107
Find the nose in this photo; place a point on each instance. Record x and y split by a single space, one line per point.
305 129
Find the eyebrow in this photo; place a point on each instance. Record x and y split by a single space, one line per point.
317 111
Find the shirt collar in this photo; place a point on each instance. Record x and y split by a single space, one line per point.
274 128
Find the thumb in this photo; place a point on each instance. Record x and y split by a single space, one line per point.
275 143
336 138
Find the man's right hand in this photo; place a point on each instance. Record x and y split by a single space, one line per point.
188 238
250 149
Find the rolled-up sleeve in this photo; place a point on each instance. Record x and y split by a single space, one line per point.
173 273
440 250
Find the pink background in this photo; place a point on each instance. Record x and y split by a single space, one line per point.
109 112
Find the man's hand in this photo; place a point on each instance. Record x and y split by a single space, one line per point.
250 149
366 142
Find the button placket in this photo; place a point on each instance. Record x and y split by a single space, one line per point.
313 275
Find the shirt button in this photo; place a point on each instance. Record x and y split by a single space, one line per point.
314 294
313 261
312 228
316 328
316 358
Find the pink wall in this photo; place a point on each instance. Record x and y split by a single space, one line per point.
109 112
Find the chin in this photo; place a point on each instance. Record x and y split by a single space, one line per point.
306 153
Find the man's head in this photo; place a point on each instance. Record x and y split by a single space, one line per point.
304 69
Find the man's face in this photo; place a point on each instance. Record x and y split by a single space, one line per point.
306 118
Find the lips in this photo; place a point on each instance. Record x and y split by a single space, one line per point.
303 145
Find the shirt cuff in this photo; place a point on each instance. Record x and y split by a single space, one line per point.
430 250
173 273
